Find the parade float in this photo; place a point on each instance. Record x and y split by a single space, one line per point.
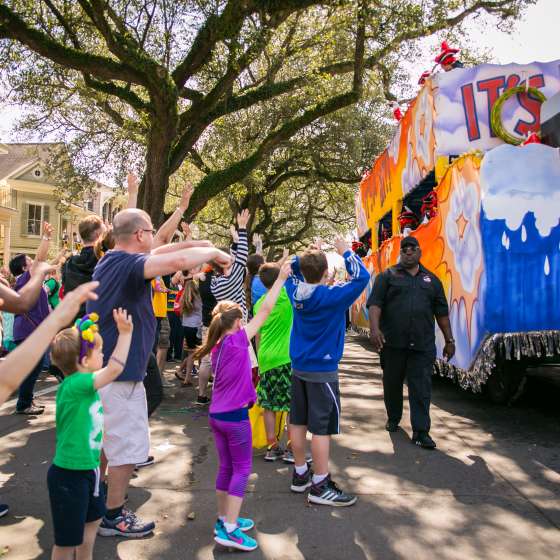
473 172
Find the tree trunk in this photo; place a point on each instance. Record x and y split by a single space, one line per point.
154 185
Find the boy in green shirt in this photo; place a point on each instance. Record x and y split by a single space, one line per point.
77 501
274 388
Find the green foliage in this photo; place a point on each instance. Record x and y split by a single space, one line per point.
229 86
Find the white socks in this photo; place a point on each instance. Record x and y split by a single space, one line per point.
301 470
318 478
230 527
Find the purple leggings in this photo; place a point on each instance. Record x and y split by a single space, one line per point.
234 444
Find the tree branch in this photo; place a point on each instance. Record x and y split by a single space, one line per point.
12 26
123 93
215 29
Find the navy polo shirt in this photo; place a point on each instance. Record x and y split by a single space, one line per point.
122 284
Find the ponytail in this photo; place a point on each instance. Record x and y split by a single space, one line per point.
190 293
223 318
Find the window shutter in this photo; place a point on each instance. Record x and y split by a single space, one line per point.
46 214
24 216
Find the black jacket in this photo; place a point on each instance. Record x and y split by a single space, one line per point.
78 270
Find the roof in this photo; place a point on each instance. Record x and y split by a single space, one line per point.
21 156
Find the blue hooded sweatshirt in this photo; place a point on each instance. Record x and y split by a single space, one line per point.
317 340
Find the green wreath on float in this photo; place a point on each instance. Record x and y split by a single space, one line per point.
496 115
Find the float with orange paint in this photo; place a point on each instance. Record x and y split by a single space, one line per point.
486 214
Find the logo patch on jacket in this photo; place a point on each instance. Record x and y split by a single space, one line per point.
427 279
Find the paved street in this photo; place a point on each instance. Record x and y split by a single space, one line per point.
491 490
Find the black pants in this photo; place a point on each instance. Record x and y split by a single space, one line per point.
176 339
153 386
27 387
417 367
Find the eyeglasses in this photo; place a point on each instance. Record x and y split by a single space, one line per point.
152 231
411 247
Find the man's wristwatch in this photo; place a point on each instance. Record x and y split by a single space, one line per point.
450 341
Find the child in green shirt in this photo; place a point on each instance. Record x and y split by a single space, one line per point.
77 501
275 370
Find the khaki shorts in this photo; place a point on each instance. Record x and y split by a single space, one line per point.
126 438
164 333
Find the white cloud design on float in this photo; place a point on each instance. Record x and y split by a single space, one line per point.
465 342
422 136
411 174
517 180
466 248
393 149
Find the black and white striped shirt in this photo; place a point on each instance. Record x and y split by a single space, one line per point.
232 287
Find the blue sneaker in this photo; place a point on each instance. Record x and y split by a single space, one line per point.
244 523
237 539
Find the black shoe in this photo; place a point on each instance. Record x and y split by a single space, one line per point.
392 426
202 400
327 493
4 509
423 439
149 461
301 482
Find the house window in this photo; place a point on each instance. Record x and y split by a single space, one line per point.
34 219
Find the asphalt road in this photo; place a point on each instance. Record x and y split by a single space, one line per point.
491 489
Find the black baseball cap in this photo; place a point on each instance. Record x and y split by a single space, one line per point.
409 242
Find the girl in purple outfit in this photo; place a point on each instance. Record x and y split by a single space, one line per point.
233 394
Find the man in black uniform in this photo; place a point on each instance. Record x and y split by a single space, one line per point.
402 306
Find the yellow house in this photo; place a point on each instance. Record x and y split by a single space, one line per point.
27 200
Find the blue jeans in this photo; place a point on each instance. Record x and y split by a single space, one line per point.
25 394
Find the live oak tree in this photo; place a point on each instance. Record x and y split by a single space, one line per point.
126 81
305 190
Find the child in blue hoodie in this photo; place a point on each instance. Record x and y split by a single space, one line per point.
316 347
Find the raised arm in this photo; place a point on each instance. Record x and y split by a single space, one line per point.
183 259
242 251
18 363
43 249
165 232
118 358
269 301
25 299
132 188
172 247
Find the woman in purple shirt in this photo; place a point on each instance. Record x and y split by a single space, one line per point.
228 343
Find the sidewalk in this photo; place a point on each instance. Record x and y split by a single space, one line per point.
489 491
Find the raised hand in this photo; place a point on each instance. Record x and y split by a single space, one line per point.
258 243
47 230
285 269
186 230
123 321
132 183
186 196
341 245
285 256
243 218
234 234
